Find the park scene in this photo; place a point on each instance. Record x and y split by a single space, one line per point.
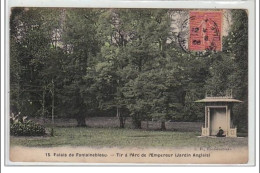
159 78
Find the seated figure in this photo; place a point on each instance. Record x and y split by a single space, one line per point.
220 133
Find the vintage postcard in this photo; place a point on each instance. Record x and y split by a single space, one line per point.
129 85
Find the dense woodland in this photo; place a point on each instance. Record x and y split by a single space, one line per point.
120 62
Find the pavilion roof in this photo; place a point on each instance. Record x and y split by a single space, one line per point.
218 99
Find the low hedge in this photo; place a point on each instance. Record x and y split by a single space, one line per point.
26 128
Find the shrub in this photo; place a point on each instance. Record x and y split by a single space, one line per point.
22 127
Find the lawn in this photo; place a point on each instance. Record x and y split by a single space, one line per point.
113 137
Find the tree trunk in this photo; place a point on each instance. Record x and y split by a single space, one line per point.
122 122
81 121
121 118
52 104
137 123
43 105
163 127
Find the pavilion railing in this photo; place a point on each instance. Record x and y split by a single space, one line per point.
220 94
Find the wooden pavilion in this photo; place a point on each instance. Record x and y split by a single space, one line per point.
218 114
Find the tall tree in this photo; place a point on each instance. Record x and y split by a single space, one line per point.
110 77
146 52
30 37
229 71
81 45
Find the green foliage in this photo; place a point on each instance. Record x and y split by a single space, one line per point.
22 127
81 44
28 128
229 69
124 62
31 38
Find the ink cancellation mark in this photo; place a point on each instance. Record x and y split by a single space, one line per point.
200 34
205 31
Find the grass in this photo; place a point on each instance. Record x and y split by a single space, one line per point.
113 137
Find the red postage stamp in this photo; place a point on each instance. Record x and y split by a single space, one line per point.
205 30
